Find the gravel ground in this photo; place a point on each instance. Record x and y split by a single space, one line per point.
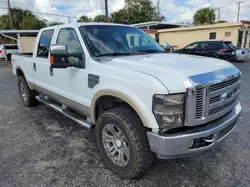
40 147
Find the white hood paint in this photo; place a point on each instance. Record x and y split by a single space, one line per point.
170 69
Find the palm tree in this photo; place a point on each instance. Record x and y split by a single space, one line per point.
204 16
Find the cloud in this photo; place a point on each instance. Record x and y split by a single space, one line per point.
173 10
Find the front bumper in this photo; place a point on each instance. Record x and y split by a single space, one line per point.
243 56
176 145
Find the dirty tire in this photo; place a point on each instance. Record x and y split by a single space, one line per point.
30 99
129 123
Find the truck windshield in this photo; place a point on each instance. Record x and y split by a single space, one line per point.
106 40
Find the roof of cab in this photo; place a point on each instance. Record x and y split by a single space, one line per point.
87 23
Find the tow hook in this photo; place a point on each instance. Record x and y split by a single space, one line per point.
208 139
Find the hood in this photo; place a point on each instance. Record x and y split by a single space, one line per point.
170 69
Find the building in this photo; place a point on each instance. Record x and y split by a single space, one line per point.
151 27
238 33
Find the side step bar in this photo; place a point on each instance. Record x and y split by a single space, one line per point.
77 118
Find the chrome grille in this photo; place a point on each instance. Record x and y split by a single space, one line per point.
223 84
200 102
220 108
211 95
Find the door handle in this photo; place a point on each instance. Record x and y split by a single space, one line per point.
34 66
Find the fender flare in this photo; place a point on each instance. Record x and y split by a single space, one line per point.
122 96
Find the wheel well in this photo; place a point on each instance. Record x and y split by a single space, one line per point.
106 102
19 73
212 54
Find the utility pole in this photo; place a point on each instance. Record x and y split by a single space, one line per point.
238 15
158 8
218 12
9 12
106 11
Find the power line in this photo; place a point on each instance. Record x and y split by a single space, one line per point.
238 15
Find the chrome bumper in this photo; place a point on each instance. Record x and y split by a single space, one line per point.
204 137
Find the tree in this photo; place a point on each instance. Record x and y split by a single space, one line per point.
53 23
84 19
204 16
99 18
136 11
21 19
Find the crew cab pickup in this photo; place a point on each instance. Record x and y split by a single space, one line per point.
140 100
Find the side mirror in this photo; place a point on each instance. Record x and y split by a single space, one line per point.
59 56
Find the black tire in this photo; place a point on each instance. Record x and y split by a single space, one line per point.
30 98
212 56
129 123
9 57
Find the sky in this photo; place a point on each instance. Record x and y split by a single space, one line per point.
175 11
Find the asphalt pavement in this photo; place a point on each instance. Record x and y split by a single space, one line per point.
40 147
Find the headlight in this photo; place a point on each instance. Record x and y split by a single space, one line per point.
168 110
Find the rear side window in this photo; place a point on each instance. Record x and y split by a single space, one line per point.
11 47
44 44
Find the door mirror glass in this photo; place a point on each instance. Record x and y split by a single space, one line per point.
59 56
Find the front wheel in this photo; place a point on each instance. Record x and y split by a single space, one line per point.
122 142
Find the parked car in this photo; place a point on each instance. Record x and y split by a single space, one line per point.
139 99
241 53
7 49
2 52
215 49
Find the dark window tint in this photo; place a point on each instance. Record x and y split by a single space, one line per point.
68 36
214 45
212 35
44 43
192 46
11 47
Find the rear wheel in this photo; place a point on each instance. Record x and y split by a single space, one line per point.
212 56
122 142
28 96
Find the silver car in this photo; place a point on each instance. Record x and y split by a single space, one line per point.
242 54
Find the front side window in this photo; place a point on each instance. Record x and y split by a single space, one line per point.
107 40
44 44
68 36
191 46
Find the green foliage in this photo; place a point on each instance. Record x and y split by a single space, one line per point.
21 19
84 19
204 16
136 11
99 18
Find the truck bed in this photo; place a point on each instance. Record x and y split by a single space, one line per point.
24 62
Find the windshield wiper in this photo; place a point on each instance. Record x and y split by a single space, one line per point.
119 54
151 51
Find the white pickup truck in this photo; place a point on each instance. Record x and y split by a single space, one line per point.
140 100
